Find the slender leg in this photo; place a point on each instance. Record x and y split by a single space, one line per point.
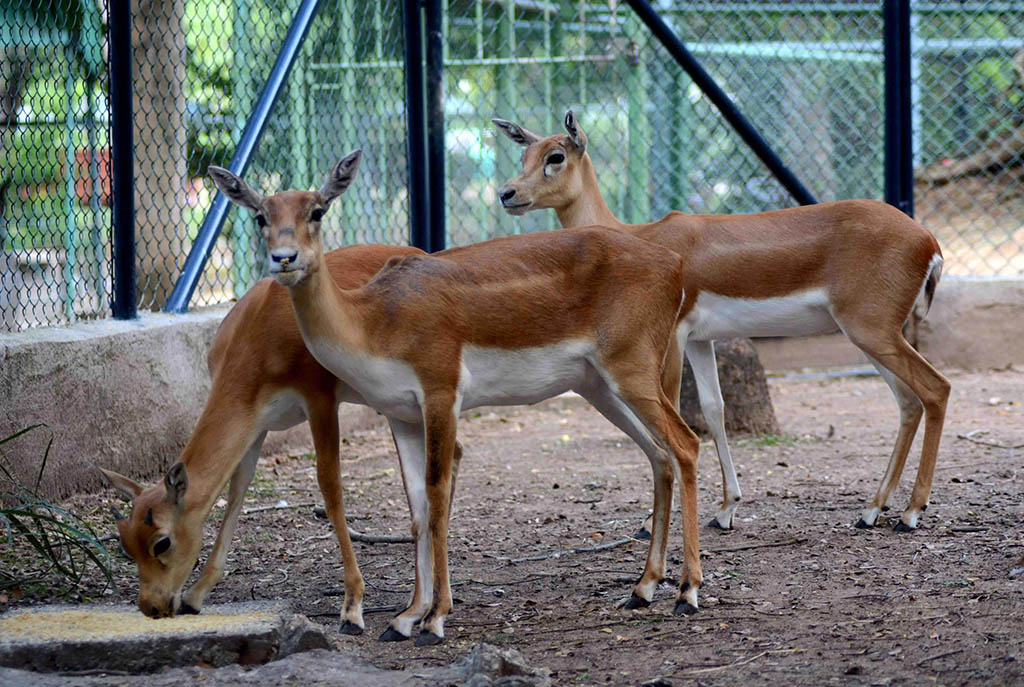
622 416
213 571
412 458
911 411
323 423
659 414
894 354
439 415
701 355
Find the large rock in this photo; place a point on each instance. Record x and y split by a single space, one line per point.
748 406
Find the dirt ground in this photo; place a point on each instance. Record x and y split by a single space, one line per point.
794 595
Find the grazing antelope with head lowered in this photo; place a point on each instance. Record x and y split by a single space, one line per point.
508 321
263 379
858 266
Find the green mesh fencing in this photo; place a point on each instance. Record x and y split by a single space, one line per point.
809 75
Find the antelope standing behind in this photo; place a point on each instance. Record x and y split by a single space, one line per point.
262 379
503 322
856 266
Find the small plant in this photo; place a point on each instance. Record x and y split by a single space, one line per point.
45 538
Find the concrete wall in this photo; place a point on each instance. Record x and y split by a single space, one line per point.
124 395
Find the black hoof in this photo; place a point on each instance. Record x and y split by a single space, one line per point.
902 527
392 635
684 608
426 638
862 525
187 609
636 602
714 524
643 534
350 628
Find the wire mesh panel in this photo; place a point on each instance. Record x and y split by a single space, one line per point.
344 92
968 70
54 186
809 75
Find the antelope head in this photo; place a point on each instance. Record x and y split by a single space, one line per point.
290 220
163 542
552 175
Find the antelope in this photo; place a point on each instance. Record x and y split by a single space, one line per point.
504 322
263 379
856 266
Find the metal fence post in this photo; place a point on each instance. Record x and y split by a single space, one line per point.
415 125
899 142
436 191
122 170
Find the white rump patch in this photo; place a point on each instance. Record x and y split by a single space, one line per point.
722 317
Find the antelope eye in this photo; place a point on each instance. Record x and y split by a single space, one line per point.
317 215
161 546
261 220
556 159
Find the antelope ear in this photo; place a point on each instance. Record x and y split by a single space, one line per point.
576 135
517 133
176 483
129 488
341 176
236 190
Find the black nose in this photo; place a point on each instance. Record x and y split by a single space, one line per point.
506 195
284 255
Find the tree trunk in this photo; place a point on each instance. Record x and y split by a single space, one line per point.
748 406
158 76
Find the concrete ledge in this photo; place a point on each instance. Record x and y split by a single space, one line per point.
122 394
974 324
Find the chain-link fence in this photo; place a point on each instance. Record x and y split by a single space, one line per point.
809 75
54 186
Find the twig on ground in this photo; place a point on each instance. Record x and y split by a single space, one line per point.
935 656
972 437
378 538
968 528
276 506
564 552
560 628
744 547
700 671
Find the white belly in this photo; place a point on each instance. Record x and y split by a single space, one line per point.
721 317
286 409
497 376
387 385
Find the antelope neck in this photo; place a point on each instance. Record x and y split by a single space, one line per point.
588 208
324 311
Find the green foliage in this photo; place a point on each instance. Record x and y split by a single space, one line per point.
43 540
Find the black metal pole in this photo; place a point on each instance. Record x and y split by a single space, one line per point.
725 105
214 221
435 127
419 235
122 161
899 142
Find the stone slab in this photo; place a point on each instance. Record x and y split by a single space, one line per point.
61 638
